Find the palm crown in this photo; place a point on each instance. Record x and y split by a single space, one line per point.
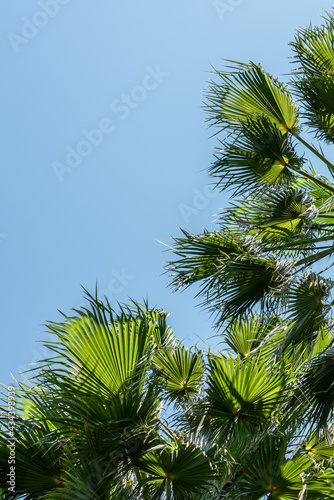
254 422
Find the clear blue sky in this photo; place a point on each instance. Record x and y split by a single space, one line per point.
105 151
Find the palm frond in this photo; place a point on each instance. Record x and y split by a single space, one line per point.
37 467
308 306
245 335
275 215
314 49
235 278
180 371
259 156
241 395
178 472
249 92
317 390
102 350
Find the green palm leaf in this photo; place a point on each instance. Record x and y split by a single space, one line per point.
276 215
180 371
308 307
244 335
235 277
314 49
249 92
178 472
86 479
317 390
201 256
261 472
103 350
259 156
240 395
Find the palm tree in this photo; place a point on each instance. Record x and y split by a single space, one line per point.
121 409
264 274
89 421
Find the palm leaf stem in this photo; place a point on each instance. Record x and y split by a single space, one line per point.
314 179
293 244
169 430
236 474
329 165
315 256
326 268
231 482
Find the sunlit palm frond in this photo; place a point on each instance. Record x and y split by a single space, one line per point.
314 49
323 198
318 447
181 372
276 215
102 350
260 155
249 92
240 395
245 335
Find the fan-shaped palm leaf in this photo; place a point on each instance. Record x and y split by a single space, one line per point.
259 156
180 371
102 350
240 395
248 92
244 335
314 48
276 215
308 307
316 393
235 277
178 472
